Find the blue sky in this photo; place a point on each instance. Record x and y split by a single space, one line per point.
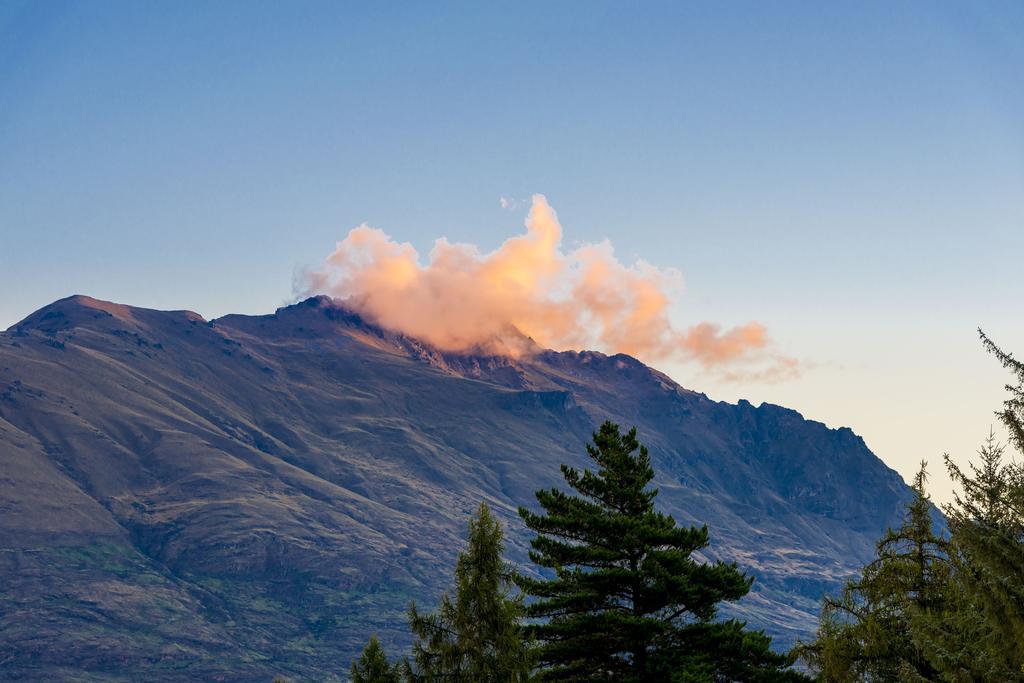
851 176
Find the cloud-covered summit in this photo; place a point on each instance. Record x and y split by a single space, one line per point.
462 298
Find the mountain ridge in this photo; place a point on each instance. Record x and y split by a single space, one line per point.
285 483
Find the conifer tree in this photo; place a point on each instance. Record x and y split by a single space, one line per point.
982 637
866 634
627 602
475 636
980 634
987 523
373 666
1012 414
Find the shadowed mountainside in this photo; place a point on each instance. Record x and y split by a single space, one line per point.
254 495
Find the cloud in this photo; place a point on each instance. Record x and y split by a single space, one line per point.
462 299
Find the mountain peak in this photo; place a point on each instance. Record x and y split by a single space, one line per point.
323 315
70 311
80 310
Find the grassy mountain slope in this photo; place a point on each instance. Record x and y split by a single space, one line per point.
257 494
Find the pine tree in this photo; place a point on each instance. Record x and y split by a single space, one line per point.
627 602
987 524
866 633
373 666
956 641
476 636
971 628
982 636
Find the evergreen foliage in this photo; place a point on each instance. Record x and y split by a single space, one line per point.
987 521
866 633
1012 414
979 636
373 666
475 636
929 610
627 602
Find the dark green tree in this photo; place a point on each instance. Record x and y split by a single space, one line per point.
982 636
979 636
966 621
475 636
865 634
624 599
373 666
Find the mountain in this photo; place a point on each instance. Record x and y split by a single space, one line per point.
256 495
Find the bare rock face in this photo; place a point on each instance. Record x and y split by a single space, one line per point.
256 495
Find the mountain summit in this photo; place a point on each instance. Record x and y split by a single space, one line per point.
255 495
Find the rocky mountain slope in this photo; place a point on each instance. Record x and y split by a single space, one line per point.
255 495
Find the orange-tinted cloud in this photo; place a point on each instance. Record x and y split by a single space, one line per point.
463 299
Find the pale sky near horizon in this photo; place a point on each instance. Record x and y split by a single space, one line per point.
850 176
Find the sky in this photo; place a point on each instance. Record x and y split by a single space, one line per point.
848 175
